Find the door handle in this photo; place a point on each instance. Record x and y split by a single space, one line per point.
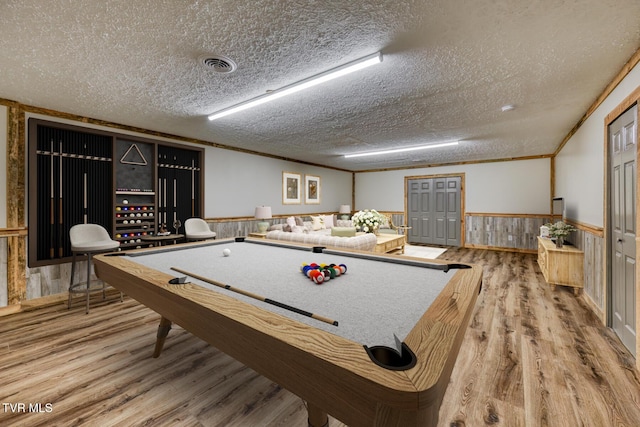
619 240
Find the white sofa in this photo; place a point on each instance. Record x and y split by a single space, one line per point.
363 242
323 236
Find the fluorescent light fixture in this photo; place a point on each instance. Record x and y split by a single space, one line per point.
302 84
401 150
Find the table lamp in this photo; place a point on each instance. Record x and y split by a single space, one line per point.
263 212
345 210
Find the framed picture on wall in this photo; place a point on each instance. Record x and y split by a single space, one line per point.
291 188
312 189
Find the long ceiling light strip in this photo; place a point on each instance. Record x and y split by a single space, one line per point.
401 150
343 70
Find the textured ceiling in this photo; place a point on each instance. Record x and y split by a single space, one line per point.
449 66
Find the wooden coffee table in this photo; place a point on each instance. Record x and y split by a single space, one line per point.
388 243
258 235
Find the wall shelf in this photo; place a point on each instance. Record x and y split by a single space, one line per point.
136 193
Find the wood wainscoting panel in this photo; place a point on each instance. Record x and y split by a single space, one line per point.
16 269
515 232
8 285
593 246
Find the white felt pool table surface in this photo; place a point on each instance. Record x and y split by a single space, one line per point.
372 302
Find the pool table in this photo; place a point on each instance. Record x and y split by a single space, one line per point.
373 346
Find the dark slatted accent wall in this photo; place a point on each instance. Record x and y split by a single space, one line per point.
73 185
79 175
179 185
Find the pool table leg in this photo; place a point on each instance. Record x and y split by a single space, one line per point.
317 417
163 331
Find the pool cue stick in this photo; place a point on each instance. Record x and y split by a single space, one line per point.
158 217
60 218
258 297
85 198
52 207
165 200
193 188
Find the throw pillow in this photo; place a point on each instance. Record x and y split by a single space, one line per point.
291 222
328 221
317 223
343 231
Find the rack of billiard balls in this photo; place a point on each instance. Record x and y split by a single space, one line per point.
320 273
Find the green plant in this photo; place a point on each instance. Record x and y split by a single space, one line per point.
560 229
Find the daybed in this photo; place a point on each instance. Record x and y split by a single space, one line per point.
323 233
363 242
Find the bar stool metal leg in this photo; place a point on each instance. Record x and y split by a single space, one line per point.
78 287
73 269
88 281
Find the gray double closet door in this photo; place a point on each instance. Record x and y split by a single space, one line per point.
434 210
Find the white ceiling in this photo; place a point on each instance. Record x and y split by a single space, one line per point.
449 66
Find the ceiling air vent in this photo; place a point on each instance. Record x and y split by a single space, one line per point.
219 64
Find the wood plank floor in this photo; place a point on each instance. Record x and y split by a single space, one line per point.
531 357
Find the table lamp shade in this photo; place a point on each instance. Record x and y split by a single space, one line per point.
263 212
345 210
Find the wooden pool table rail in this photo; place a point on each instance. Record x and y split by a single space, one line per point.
334 375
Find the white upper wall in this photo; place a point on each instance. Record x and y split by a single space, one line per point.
4 111
236 182
513 187
580 168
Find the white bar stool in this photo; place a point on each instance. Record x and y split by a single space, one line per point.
88 239
198 229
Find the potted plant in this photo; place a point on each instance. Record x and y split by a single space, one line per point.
559 231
